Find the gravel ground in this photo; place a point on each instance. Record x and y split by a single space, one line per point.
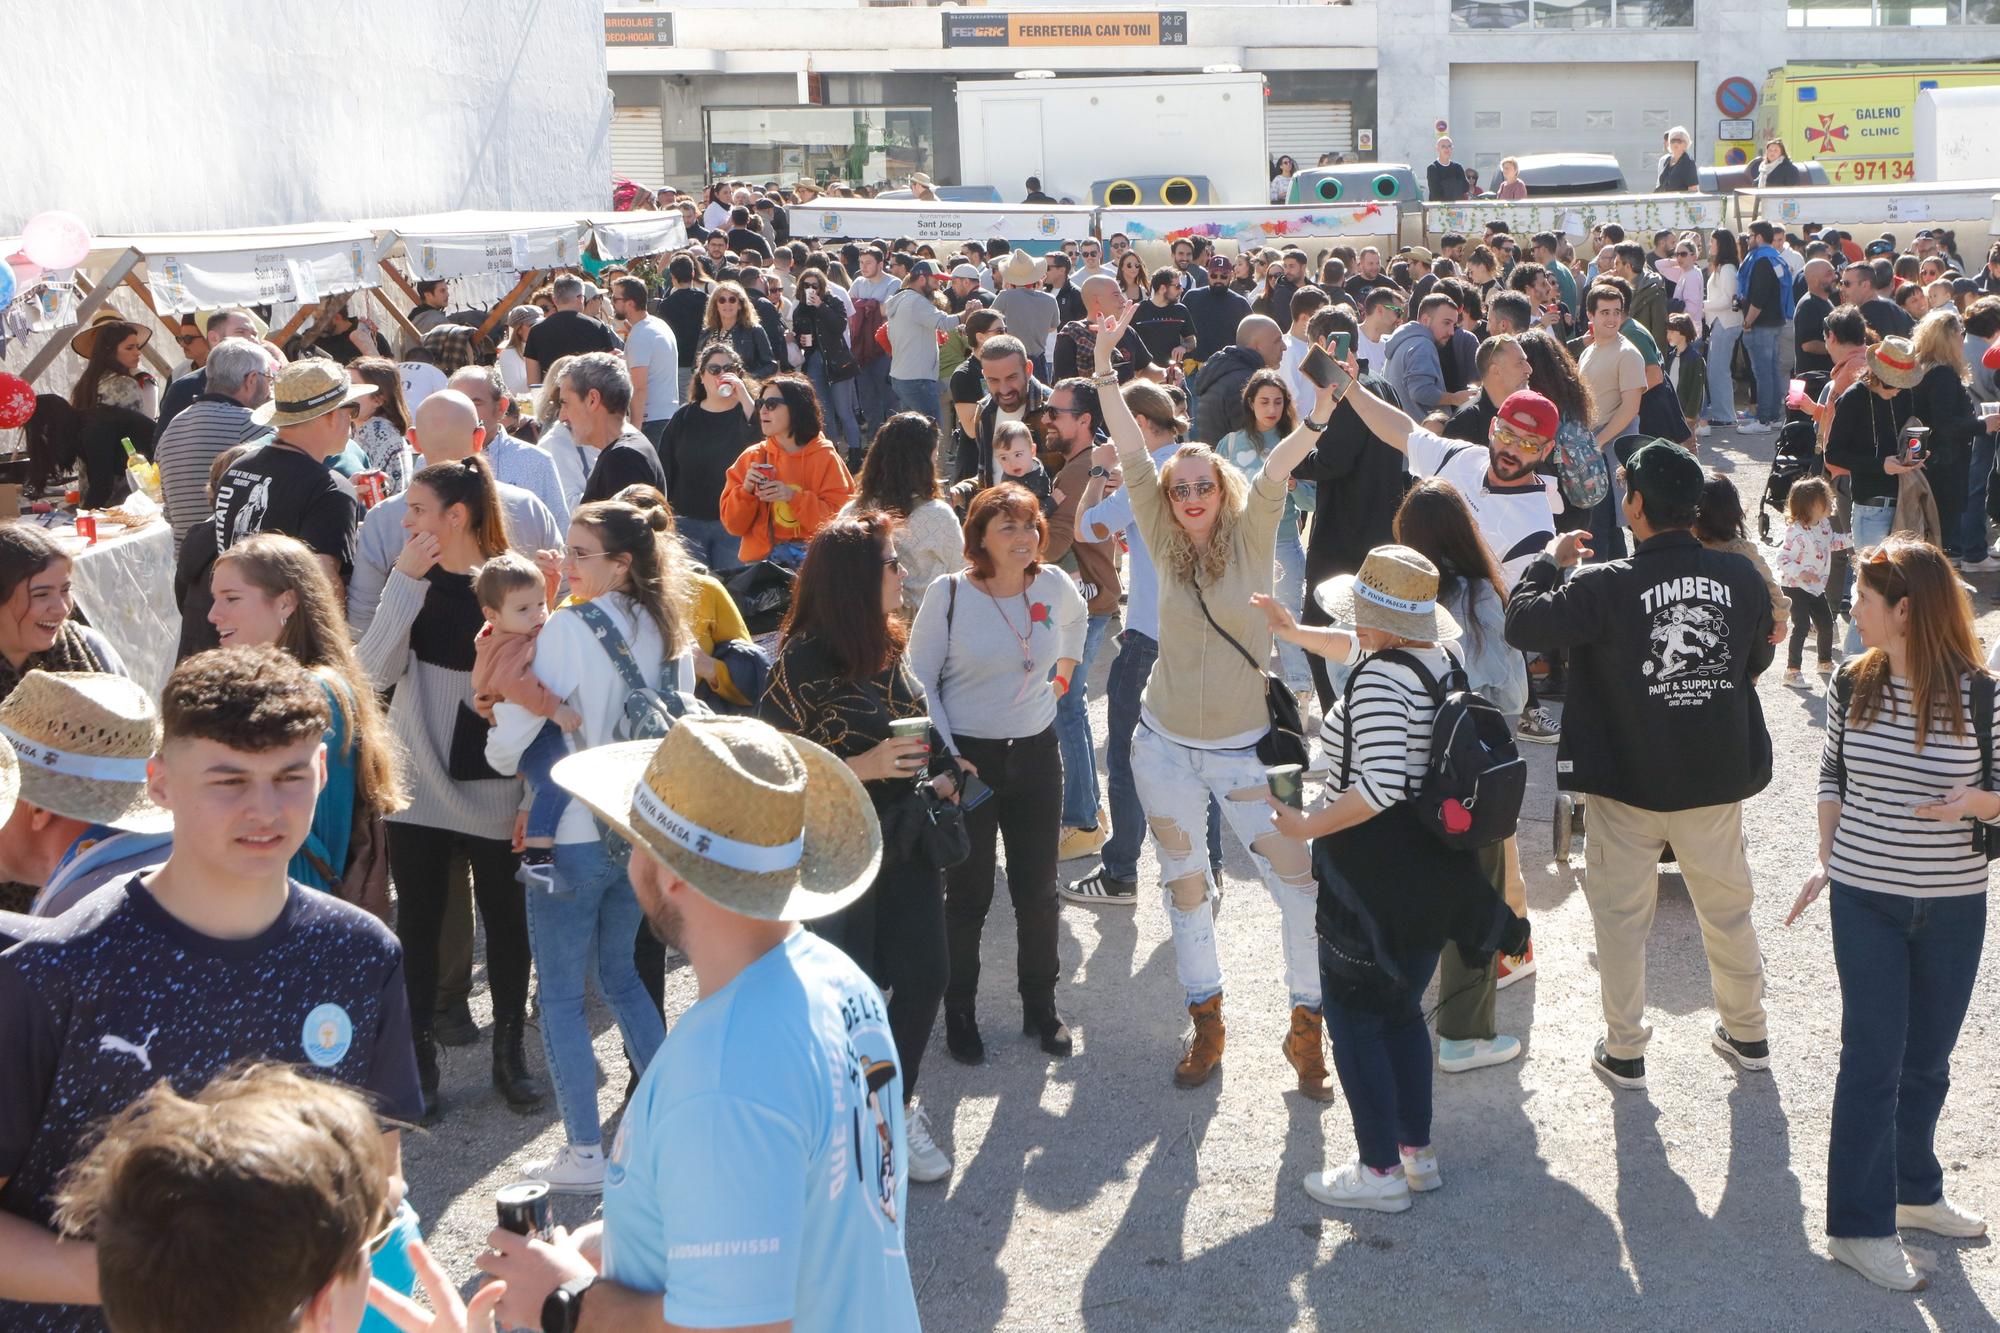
1092 1194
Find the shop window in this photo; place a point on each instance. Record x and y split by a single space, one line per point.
1576 14
877 146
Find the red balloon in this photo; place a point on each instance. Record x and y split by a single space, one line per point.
17 401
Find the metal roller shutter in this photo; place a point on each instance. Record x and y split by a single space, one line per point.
1621 109
1307 129
638 144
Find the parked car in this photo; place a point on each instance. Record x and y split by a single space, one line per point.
1728 180
953 194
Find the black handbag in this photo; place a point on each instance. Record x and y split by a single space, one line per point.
1285 742
926 828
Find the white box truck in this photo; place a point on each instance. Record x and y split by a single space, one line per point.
1146 130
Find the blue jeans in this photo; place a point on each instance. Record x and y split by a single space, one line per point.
916 396
1290 591
839 402
1129 671
1384 1065
1762 344
1079 756
1906 970
1871 525
1970 530
589 930
709 543
871 393
547 800
789 554
1721 378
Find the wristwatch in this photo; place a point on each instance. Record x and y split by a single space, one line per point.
1099 470
563 1310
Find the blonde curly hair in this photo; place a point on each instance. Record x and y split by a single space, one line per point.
1205 563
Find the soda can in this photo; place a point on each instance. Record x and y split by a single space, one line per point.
524 1208
372 487
86 528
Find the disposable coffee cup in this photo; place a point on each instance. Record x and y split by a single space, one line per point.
902 728
523 1208
1287 783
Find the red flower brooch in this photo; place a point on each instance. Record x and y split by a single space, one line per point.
1038 613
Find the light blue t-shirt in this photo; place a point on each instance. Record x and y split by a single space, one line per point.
760 1172
651 344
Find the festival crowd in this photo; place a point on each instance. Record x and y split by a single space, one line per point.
764 585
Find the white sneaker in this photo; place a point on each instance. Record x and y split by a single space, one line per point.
1752 428
1702 430
575 1170
1420 1168
1985 565
1357 1186
1456 1057
927 1161
1943 1218
1880 1259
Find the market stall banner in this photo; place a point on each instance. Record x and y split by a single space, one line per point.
1248 226
1849 206
644 233
301 273
468 254
947 223
1637 213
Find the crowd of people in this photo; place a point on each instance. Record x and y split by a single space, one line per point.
767 586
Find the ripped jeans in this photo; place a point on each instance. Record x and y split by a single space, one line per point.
1175 783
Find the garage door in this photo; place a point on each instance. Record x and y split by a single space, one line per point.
1621 109
638 145
1307 129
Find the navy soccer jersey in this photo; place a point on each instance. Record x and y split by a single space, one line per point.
101 1003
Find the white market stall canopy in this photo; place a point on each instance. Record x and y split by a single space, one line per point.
1574 216
1263 224
1855 205
473 244
944 223
632 235
186 271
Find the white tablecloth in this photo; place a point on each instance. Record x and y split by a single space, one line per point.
125 587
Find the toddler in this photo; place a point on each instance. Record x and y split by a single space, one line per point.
1014 456
1805 555
513 595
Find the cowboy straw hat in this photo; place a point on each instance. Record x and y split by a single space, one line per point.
760 823
10 780
1894 361
81 740
1395 592
85 343
306 390
919 178
1021 270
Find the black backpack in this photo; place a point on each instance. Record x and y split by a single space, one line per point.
1473 786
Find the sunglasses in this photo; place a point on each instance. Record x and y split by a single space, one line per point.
187 339
771 404
380 1240
728 300
719 368
1191 490
1506 436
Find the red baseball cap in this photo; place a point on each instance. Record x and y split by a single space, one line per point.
1525 410
1990 358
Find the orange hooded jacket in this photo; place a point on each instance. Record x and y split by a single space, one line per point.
824 485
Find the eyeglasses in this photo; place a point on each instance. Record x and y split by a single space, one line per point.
574 554
380 1240
1507 437
771 404
1191 490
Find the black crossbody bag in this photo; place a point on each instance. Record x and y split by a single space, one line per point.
1285 742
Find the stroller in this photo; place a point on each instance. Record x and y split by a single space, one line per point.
1797 456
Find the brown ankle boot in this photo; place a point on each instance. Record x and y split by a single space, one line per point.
1204 1052
1307 1052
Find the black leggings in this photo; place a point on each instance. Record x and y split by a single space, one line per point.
420 861
1813 606
895 933
1025 809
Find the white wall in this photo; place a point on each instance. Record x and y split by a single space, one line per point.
191 114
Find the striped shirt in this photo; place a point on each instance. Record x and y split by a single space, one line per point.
1879 843
188 447
1389 711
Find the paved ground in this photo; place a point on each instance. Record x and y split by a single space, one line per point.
1092 1194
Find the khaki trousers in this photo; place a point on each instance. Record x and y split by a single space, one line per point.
1622 844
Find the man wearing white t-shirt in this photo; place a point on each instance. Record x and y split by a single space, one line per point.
652 358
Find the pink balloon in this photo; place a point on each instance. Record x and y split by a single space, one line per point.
55 239
26 271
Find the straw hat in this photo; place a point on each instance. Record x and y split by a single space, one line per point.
919 178
764 824
1396 592
1894 361
307 390
258 327
81 740
1021 269
10 779
85 343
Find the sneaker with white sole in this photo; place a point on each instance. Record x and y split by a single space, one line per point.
1358 1186
1623 1073
1751 1055
1458 1057
1420 1168
1880 1259
574 1170
927 1161
1511 967
1539 727
1080 842
1752 428
1943 1218
1984 565
1702 430
1100 888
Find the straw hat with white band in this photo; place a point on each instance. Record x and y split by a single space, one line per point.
307 390
1395 592
10 780
762 823
81 740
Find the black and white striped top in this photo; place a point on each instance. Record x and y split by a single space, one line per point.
1391 723
1880 844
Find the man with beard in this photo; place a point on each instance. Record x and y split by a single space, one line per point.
1012 394
741 1192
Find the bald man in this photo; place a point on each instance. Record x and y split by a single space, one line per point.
1218 385
446 430
1809 320
1077 340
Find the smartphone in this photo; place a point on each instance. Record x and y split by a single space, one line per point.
972 793
1323 370
1343 343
